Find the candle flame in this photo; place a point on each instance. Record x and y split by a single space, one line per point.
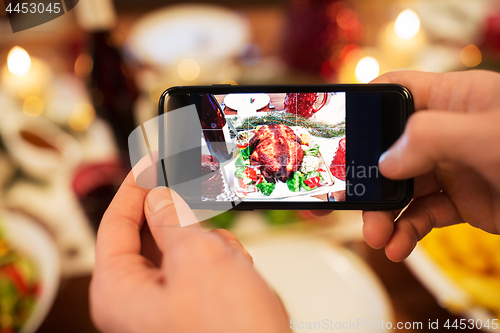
18 61
407 24
367 69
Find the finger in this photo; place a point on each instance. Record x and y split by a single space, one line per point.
378 227
149 249
320 213
433 137
118 233
420 84
456 91
166 212
433 211
233 242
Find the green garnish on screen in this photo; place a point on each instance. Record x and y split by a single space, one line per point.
266 187
294 182
246 152
313 151
240 172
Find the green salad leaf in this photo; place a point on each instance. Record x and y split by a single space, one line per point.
304 185
240 172
294 182
312 151
313 174
266 187
246 152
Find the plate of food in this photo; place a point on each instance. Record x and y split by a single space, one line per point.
460 266
279 161
29 273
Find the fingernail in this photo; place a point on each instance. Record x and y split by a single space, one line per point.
389 157
157 199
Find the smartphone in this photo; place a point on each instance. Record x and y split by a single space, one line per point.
297 147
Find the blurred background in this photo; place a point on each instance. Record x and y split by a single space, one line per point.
73 89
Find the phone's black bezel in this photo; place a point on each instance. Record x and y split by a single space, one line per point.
396 111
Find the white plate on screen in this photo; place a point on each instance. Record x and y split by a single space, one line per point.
302 199
246 101
203 32
317 281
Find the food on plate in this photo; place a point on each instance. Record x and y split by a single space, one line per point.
19 288
266 188
307 181
306 138
309 164
243 138
472 258
337 167
213 183
277 150
275 154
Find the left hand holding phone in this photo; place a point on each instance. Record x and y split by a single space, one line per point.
191 281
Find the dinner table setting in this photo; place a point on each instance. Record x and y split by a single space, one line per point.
71 93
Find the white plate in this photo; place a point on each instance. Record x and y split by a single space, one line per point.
204 32
318 282
243 101
31 240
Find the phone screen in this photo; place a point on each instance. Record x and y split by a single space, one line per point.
281 147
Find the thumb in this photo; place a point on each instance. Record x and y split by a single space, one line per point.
432 137
167 214
174 226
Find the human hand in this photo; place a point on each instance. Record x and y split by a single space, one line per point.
193 281
451 145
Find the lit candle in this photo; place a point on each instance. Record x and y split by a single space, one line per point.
23 75
401 41
361 66
367 69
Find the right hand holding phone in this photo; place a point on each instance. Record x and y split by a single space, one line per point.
451 146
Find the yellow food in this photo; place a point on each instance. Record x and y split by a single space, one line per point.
472 258
306 138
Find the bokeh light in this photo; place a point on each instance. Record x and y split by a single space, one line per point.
347 18
350 51
189 69
18 61
367 69
33 106
355 33
81 117
84 65
407 24
471 56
